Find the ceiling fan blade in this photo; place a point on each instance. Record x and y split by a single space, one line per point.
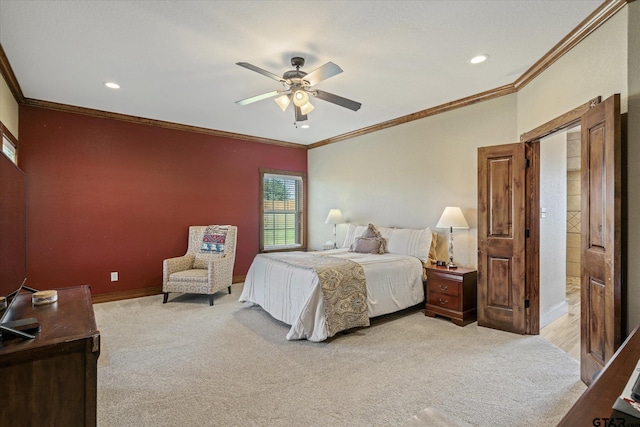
299 116
259 97
319 74
261 71
338 100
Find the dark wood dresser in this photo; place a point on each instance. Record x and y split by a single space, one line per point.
452 293
51 380
594 407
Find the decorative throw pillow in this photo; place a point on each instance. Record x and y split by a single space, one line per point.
353 231
367 245
213 242
372 232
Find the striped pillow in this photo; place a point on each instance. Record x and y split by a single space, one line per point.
407 241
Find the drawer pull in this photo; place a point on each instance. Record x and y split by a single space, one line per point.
443 288
443 302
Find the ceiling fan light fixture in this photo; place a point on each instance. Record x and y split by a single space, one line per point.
298 88
306 108
283 102
300 98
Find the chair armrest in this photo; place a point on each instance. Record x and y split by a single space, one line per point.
171 265
221 268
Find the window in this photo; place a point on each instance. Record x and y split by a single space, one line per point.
9 144
282 223
8 148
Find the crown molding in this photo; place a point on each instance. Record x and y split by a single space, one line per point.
152 122
463 102
605 11
10 77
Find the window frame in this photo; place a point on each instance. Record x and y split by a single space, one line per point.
302 246
6 134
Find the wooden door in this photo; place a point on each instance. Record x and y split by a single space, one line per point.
501 237
600 322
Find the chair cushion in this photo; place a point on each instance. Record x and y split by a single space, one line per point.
193 275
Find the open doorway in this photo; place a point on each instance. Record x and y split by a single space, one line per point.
560 240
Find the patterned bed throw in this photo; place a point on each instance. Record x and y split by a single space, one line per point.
343 288
214 239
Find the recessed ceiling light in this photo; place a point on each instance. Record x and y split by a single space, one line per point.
304 126
112 85
479 59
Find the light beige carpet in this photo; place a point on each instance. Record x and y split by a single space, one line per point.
185 363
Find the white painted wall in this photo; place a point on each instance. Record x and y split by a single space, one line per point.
553 228
8 108
597 66
406 175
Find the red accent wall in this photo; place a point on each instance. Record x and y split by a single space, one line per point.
12 226
105 195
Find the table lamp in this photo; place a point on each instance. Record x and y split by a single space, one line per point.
334 217
451 218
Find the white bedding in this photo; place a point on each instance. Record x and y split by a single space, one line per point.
293 295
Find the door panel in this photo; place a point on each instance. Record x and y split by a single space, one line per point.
600 299
501 239
499 293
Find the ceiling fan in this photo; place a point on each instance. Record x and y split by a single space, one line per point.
298 85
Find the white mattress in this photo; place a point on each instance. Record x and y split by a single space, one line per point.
293 295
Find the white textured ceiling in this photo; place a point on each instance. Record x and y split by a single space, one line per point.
175 60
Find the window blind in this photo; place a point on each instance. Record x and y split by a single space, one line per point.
282 211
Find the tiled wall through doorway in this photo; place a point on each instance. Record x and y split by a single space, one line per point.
573 206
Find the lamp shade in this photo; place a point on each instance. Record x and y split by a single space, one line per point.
334 217
306 108
283 101
452 217
300 98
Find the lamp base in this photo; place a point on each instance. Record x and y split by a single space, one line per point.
451 264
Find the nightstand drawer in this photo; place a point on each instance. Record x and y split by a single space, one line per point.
437 284
440 299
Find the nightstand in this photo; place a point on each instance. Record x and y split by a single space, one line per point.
452 293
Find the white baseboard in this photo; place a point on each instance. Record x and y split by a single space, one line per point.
553 313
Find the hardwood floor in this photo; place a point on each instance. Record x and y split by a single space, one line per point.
564 332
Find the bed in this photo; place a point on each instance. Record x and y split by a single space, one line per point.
291 288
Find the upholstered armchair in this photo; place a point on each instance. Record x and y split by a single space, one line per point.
207 267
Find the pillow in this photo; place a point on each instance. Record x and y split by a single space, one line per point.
353 231
372 232
213 241
368 245
406 241
433 256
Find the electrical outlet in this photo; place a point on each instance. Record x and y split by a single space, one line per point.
114 276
